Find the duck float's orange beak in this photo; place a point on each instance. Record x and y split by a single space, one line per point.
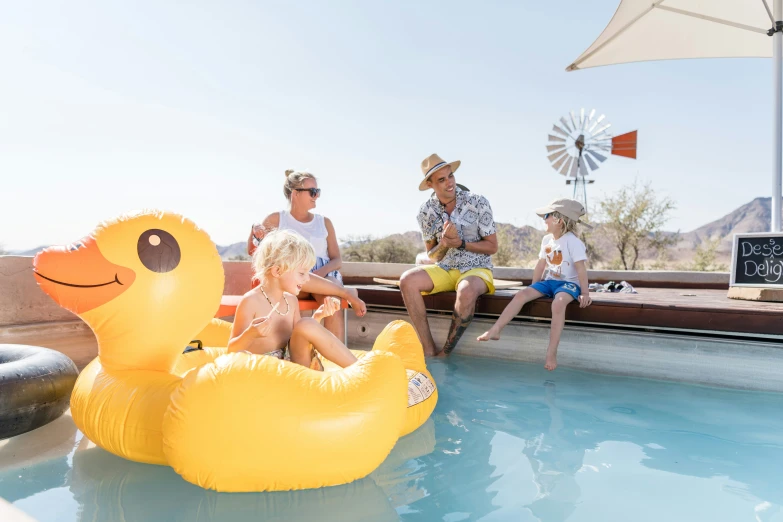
78 277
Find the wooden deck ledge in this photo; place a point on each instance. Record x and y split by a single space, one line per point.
658 308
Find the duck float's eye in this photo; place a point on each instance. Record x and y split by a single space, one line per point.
158 251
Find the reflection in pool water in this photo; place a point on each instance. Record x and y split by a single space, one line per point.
508 441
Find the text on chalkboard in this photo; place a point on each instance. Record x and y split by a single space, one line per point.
758 260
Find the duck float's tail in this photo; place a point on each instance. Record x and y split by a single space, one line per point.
400 338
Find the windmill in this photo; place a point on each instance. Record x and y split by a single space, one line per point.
578 146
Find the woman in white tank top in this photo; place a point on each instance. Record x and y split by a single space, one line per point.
301 190
318 235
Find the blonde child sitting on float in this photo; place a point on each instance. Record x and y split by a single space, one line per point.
267 319
560 274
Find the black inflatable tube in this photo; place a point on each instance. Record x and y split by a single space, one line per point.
35 387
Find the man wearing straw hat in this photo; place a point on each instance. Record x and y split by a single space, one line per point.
459 231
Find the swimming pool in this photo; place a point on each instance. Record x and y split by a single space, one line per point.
508 441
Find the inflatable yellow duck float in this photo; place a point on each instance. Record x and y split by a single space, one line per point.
148 283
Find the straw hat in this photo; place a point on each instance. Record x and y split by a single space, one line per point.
569 208
432 164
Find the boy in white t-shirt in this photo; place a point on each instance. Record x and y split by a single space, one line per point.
560 273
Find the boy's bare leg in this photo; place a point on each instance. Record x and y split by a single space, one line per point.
333 323
512 309
468 291
559 304
412 284
309 332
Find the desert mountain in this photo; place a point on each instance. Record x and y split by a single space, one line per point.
750 217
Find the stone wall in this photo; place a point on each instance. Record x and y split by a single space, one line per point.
22 302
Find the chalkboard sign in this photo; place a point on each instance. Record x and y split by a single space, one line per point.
757 260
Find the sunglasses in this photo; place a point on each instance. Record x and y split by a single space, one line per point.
546 216
314 192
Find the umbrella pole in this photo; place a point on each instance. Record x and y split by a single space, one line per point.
777 71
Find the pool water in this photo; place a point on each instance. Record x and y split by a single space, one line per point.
508 441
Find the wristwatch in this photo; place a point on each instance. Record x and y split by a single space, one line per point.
462 246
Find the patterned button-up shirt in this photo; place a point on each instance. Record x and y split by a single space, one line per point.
473 219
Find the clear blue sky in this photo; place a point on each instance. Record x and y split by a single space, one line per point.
199 108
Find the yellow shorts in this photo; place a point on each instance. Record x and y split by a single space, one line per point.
447 280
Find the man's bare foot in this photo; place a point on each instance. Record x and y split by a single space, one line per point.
490 334
551 362
441 353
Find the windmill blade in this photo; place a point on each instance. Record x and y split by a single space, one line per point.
593 165
581 119
574 166
600 142
556 165
565 124
573 120
596 123
588 121
552 148
555 138
557 155
601 130
567 166
558 130
597 156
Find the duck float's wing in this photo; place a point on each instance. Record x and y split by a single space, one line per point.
196 358
256 423
122 411
216 333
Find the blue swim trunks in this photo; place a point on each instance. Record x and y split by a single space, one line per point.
551 287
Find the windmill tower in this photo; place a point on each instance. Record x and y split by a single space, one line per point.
578 146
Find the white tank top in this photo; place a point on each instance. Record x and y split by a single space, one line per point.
314 231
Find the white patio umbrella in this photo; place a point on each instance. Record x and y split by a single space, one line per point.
643 30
